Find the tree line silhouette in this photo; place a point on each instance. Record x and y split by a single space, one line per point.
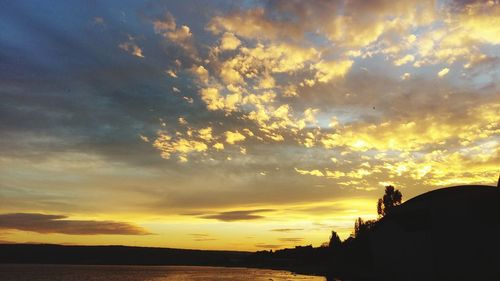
336 257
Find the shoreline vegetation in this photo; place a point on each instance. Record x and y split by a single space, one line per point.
446 234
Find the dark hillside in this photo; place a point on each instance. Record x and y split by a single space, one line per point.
451 233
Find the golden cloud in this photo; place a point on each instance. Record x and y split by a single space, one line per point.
234 137
229 41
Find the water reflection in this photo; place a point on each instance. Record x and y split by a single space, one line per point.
144 273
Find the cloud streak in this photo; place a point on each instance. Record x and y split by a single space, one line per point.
243 215
291 239
286 229
43 223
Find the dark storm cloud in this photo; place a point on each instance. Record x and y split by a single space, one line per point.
237 215
43 223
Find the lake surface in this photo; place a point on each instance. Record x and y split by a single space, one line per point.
143 273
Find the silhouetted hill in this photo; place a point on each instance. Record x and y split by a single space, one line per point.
446 234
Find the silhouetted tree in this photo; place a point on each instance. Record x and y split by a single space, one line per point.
391 198
380 206
358 224
361 228
335 241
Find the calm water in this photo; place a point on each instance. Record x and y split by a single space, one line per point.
142 273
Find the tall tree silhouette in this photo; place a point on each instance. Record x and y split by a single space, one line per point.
334 240
362 228
358 227
392 197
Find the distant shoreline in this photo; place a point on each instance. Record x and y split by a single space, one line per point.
113 255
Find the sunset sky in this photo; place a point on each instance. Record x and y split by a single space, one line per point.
239 125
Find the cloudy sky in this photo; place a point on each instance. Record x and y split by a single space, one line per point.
237 125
